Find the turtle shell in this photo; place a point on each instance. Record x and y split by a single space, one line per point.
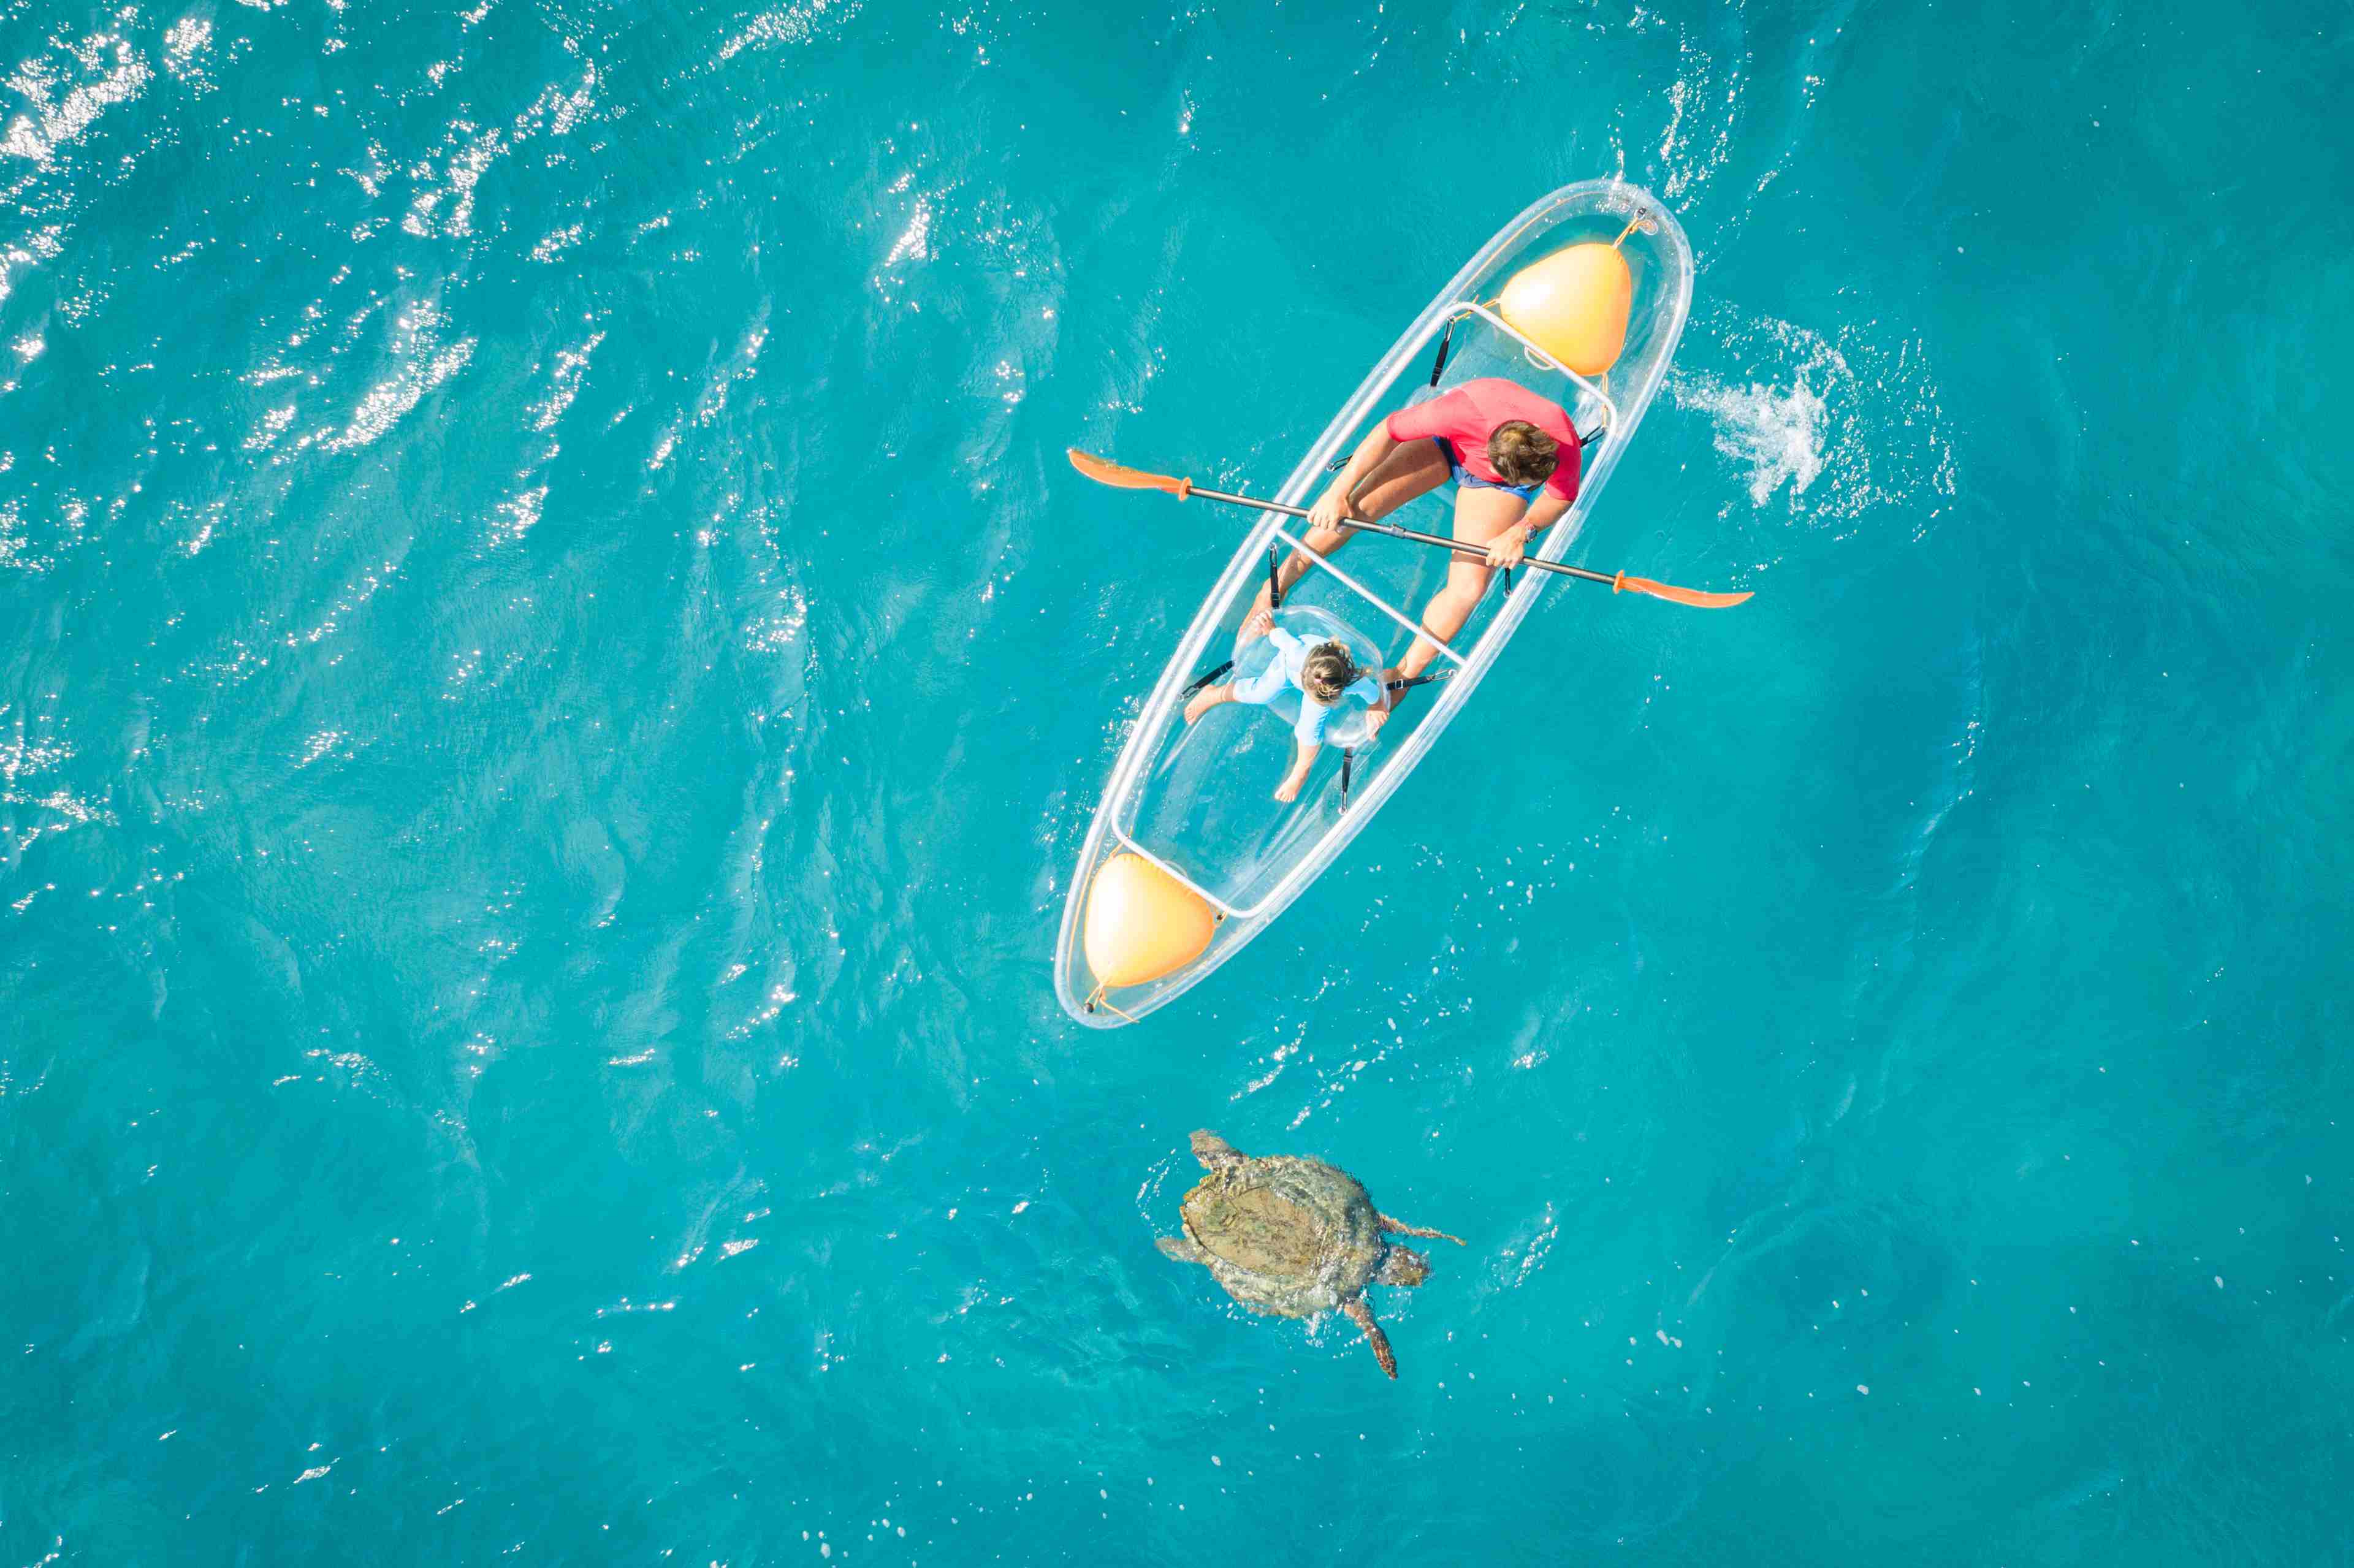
1285 1235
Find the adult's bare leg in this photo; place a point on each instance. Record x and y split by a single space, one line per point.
1415 468
1481 514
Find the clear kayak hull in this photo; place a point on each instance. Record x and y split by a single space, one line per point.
1194 800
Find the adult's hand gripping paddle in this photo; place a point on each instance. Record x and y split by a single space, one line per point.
1122 478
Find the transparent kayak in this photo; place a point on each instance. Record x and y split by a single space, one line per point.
1195 802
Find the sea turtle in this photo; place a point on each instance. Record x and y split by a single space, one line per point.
1292 1237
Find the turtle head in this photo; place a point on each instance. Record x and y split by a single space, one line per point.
1212 1151
1404 1266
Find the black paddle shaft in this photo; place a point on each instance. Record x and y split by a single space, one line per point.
1363 527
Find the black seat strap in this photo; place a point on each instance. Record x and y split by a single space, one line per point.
1206 677
1411 681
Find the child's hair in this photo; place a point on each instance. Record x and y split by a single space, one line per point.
1328 672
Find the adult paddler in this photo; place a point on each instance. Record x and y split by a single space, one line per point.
1512 455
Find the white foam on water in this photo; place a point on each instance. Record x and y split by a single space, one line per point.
556 242
564 382
424 364
1777 433
517 515
914 243
14 542
60 108
790 25
1831 428
1696 118
18 256
188 51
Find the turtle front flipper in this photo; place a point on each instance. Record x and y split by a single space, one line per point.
1363 1316
1180 1248
1402 1228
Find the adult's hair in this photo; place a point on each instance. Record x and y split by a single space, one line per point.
1521 453
1328 672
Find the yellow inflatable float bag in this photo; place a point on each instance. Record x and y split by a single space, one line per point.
1574 304
1143 923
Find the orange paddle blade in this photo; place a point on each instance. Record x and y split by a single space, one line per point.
1113 474
1696 597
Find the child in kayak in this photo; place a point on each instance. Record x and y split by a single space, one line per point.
1325 676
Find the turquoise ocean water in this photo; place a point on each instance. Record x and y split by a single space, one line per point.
552 673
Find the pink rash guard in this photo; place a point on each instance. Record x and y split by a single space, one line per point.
1467 416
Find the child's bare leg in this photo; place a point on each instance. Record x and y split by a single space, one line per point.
1303 759
1207 698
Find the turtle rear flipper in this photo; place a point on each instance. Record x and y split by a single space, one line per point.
1363 1316
1180 1248
1402 1228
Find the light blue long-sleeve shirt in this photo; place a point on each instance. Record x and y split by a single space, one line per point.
1283 669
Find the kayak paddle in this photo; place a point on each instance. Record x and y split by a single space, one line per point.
1122 478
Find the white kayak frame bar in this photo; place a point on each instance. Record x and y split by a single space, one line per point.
1459 311
1415 627
1472 308
1224 910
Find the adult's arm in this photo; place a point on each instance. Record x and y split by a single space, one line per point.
1325 515
1507 548
1333 505
1417 421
